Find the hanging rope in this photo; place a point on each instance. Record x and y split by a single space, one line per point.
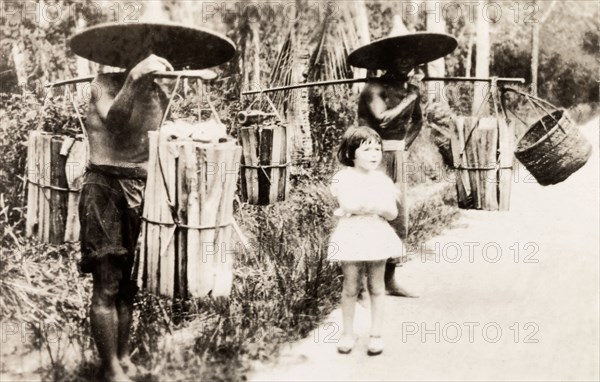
170 203
535 103
270 103
76 107
55 188
49 96
177 223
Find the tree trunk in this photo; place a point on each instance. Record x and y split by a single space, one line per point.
535 51
398 27
482 60
297 114
18 56
255 27
361 22
469 58
535 46
244 69
82 64
435 68
42 20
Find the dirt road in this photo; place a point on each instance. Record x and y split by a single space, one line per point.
505 296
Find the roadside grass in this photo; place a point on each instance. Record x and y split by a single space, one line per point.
283 288
283 285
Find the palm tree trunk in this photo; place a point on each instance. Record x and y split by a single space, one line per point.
297 114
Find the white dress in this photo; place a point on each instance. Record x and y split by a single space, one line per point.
363 237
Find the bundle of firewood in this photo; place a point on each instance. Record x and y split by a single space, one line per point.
55 168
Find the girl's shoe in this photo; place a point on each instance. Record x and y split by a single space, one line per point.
345 344
375 345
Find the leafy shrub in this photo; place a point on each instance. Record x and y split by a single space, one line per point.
562 80
18 115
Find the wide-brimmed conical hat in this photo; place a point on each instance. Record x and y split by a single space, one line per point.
123 45
422 46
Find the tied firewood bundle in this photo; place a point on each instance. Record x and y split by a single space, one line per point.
482 153
265 175
55 168
480 149
56 161
186 240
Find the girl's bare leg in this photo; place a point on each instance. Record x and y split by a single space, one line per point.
375 276
352 272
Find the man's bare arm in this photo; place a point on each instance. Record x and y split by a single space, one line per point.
116 112
378 108
399 111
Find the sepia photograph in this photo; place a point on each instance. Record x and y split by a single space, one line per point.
299 190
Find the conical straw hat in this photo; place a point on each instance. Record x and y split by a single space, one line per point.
422 46
123 45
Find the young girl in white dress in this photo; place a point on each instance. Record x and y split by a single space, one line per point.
363 239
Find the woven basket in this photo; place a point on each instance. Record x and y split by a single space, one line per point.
553 148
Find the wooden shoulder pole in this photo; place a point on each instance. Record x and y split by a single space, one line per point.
355 80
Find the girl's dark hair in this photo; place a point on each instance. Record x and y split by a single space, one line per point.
351 140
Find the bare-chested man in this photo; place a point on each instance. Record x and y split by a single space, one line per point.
123 108
390 106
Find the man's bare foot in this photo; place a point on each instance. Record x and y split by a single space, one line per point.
116 374
363 298
130 368
393 289
391 285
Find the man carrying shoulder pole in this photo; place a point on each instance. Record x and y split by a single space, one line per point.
123 108
390 105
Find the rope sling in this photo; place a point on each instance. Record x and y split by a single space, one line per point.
66 149
493 94
177 223
275 113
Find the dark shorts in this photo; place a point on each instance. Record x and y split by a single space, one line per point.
110 222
